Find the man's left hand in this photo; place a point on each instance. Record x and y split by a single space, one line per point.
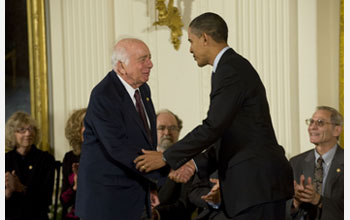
150 160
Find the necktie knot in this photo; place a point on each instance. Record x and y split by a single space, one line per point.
319 161
137 96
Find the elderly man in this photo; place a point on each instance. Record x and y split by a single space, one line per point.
319 173
169 126
119 122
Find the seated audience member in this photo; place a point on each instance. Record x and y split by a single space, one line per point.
74 134
173 197
319 173
30 172
205 190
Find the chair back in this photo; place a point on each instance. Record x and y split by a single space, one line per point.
58 165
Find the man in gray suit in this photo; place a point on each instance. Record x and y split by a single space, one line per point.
319 173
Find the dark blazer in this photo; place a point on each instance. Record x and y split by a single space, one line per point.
109 185
174 201
252 167
333 198
201 187
35 170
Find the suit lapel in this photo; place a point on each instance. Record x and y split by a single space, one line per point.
146 99
128 104
309 165
335 171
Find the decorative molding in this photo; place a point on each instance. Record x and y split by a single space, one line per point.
38 68
341 67
170 17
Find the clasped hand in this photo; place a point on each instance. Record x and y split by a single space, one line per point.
184 173
152 160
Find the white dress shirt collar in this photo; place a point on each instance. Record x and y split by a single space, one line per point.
218 57
129 89
327 157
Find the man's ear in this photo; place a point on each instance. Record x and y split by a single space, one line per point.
337 130
121 68
206 38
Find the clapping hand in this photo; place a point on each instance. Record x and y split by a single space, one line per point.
75 167
214 195
305 193
12 184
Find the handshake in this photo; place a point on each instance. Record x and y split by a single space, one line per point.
184 173
152 160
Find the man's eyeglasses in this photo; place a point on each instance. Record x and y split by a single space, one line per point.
170 128
318 122
23 130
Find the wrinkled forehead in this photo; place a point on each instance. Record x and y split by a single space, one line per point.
138 49
166 119
322 114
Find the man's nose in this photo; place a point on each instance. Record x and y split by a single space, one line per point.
313 126
166 131
150 64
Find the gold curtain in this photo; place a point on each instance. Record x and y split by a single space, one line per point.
341 66
38 68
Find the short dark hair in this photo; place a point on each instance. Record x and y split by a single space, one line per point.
211 24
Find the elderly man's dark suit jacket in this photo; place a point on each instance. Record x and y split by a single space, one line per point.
333 198
109 185
252 167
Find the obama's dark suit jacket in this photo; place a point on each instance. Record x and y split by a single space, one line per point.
109 185
252 166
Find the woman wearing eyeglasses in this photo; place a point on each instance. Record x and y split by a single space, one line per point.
30 172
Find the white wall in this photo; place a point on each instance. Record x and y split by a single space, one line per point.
283 39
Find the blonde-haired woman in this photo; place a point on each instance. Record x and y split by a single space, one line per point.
29 171
74 134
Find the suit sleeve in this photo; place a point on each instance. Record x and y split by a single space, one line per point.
200 187
334 208
181 208
107 120
226 99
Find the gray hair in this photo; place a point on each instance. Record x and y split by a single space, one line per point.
16 121
336 117
119 54
178 120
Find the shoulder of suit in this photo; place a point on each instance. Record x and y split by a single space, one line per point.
301 155
145 88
